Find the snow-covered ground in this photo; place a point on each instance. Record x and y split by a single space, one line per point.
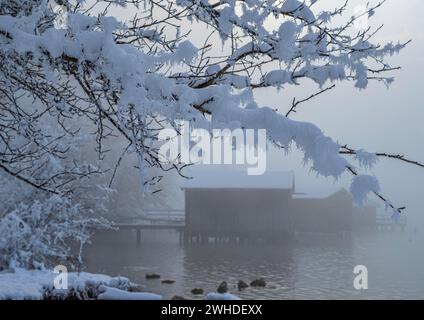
221 296
110 293
36 285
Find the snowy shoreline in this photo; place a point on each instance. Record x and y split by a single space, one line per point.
39 285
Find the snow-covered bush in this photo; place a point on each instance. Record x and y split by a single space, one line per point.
45 232
39 284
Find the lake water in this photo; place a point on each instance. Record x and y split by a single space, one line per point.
309 268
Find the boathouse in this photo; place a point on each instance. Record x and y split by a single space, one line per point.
365 217
232 204
322 211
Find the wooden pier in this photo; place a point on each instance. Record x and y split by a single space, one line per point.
385 223
156 220
175 220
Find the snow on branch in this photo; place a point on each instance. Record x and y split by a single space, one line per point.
370 158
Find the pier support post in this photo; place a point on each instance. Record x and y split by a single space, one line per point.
181 237
138 231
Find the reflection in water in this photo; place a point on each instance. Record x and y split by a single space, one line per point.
211 264
309 268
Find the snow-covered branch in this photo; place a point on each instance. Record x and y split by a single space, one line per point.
347 150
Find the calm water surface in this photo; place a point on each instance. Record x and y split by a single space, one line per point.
310 268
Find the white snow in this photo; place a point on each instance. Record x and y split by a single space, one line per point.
361 186
277 77
221 296
109 293
286 48
299 9
366 159
186 51
31 284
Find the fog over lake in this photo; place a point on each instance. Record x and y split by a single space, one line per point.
310 268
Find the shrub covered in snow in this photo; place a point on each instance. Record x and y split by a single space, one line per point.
44 232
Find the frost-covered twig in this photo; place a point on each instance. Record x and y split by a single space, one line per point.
349 151
295 103
378 194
